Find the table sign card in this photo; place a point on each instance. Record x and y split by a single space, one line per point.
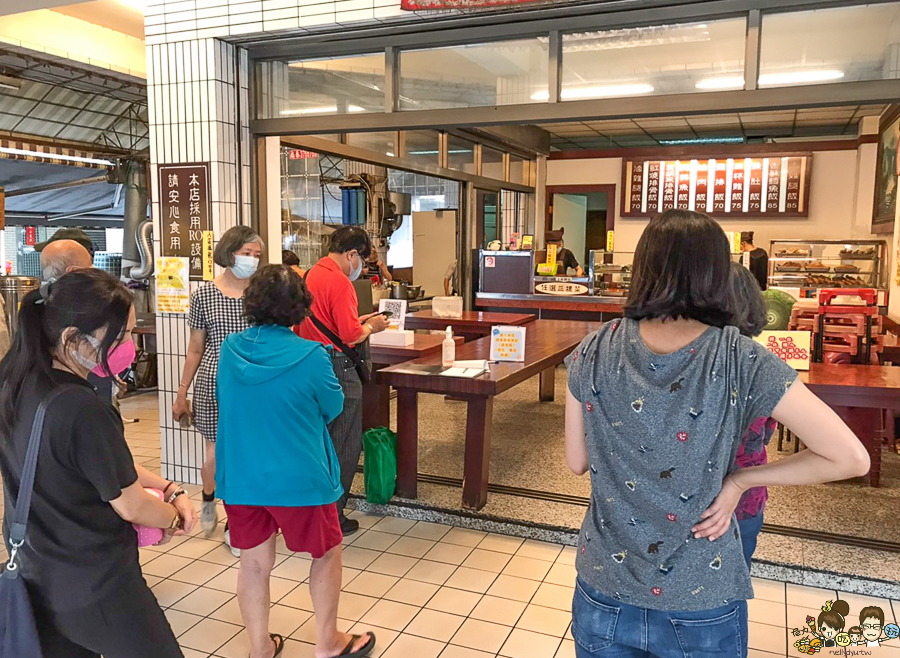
792 347
173 294
508 343
397 307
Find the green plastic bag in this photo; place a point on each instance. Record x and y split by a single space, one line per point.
380 466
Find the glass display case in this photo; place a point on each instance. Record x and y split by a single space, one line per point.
610 272
827 263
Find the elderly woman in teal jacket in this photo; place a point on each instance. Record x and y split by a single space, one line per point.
276 468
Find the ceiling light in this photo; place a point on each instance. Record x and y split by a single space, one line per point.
728 82
799 77
702 140
54 156
771 79
311 110
7 82
355 108
597 92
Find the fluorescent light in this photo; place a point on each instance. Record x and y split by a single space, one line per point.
324 109
7 82
390 154
702 140
597 92
798 77
728 82
771 79
52 156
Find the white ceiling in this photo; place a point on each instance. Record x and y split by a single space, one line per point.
111 14
9 7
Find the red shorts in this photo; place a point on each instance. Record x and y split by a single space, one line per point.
314 530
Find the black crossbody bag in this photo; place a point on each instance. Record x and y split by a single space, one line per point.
358 363
18 631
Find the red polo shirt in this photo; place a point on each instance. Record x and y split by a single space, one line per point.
334 304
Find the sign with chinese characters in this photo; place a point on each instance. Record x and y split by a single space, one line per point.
301 154
507 343
792 347
610 241
776 186
173 293
560 288
185 215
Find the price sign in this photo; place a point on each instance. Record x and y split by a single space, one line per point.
792 347
610 240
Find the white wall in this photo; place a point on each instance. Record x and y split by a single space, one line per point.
840 202
570 214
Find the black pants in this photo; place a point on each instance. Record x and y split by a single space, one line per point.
346 429
127 624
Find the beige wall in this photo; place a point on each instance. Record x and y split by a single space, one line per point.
840 206
51 32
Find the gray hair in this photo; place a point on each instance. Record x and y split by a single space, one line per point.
53 269
232 240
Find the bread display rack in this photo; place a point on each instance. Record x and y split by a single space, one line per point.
827 263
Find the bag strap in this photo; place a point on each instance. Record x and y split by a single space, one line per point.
26 483
351 353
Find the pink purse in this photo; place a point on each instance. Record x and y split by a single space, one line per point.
149 536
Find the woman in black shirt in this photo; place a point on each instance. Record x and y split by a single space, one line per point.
80 557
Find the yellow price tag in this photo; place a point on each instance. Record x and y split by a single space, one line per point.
551 254
208 274
610 240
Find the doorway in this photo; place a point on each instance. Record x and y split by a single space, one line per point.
585 213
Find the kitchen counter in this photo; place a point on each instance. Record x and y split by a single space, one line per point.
559 307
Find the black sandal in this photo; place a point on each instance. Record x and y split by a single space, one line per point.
360 653
279 643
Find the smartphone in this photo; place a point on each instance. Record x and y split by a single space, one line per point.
386 314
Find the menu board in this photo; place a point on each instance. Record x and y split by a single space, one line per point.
776 186
185 215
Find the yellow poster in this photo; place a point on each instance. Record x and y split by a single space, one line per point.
610 240
551 254
208 274
173 292
792 347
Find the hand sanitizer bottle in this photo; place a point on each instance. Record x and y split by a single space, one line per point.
448 349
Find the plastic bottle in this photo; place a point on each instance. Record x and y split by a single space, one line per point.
448 349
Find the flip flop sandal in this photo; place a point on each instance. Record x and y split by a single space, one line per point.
279 643
360 653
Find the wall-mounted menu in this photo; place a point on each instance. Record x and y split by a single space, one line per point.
774 186
185 215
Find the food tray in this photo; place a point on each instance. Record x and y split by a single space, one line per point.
794 254
846 270
787 269
863 256
817 269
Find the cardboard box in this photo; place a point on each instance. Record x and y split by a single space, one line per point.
393 338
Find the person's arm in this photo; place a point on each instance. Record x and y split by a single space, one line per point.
181 502
446 287
196 344
833 453
576 446
137 506
385 273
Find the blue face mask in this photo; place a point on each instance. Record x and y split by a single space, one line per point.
355 271
244 266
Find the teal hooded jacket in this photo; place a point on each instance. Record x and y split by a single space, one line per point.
277 393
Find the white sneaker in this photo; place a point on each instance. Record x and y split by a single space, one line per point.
209 516
234 551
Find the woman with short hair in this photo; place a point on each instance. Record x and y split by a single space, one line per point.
276 466
217 310
655 409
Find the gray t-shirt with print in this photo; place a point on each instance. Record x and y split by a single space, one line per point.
662 433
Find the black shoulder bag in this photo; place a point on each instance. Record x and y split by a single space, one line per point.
18 631
362 369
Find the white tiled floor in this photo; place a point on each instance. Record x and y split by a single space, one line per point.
426 590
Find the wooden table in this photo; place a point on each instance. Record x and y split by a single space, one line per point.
376 399
471 326
858 393
547 344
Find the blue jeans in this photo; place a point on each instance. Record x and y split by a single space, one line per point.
606 628
749 534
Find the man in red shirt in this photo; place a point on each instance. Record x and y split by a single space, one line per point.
335 306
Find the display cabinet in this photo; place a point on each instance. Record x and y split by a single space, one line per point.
610 272
827 263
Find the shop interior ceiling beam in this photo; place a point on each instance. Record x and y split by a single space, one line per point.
757 100
485 26
58 186
752 46
524 140
348 152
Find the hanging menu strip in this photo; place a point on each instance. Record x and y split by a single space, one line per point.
184 206
757 186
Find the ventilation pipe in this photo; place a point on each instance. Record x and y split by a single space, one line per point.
137 259
144 242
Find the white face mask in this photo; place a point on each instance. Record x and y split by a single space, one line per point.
244 266
357 270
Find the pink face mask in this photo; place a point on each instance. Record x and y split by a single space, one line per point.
119 359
